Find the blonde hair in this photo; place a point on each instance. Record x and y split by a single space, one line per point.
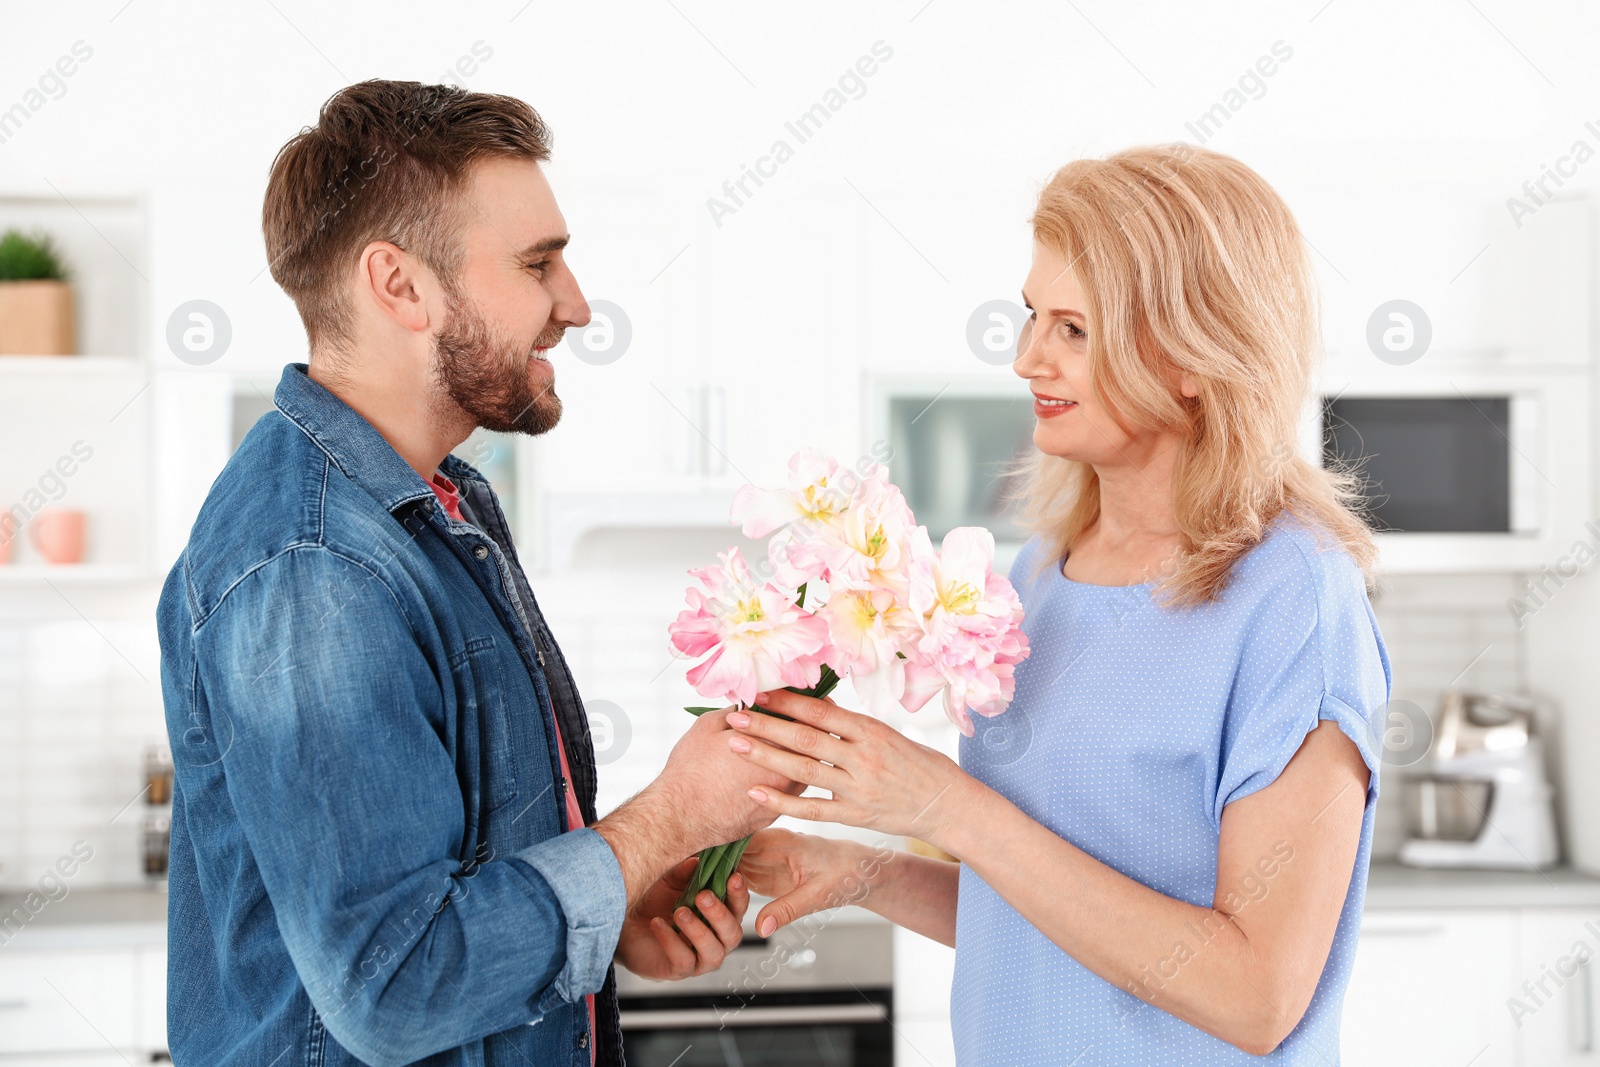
1190 262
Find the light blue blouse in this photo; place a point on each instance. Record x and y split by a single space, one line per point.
1133 726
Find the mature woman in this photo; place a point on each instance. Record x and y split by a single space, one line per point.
1165 860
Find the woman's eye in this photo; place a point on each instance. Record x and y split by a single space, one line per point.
1074 331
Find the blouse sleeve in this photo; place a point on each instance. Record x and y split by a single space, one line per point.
1312 651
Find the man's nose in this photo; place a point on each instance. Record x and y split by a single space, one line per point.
570 308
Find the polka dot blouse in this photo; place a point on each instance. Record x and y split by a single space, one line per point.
1133 726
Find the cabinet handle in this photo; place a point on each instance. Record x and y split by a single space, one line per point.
793 1015
13 1003
1402 931
1586 991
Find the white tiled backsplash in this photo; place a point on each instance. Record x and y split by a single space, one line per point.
1443 631
80 696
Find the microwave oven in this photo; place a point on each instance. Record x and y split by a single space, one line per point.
1477 469
951 442
1467 468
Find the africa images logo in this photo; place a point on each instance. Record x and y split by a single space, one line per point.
851 85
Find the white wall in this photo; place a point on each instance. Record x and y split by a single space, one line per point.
1397 132
1392 130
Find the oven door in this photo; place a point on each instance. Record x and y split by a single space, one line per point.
818 1029
811 996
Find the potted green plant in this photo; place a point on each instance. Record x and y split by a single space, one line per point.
35 297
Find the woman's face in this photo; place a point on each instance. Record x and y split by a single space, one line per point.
1052 354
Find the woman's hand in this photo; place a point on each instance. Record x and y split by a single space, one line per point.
662 943
805 873
880 780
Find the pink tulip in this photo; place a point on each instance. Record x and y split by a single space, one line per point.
870 546
814 494
757 637
903 622
867 629
970 620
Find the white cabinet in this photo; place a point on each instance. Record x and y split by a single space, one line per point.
1553 996
1487 987
923 972
153 999
728 370
1429 988
82 1006
67 1001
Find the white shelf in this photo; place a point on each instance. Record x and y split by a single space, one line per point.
70 574
71 364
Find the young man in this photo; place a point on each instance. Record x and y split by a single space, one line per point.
384 842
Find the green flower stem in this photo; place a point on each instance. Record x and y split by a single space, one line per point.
717 863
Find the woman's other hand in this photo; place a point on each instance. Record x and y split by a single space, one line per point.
804 873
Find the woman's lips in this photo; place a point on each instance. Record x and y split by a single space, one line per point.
1048 407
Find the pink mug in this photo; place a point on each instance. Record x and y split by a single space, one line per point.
58 534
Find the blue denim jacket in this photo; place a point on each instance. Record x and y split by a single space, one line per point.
370 857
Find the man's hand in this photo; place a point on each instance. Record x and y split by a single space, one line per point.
650 946
701 799
710 784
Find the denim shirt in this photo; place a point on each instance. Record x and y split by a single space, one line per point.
370 857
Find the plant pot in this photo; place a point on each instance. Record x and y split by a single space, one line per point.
36 318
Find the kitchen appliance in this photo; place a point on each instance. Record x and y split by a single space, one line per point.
1483 800
1463 474
953 441
815 994
1469 407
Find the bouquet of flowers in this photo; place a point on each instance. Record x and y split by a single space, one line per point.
903 621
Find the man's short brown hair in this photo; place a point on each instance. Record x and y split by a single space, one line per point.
386 161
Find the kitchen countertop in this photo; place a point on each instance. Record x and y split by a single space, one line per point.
136 916
1393 886
91 918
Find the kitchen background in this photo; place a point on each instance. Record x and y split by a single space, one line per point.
852 290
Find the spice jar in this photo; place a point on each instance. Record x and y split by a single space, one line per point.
157 845
157 776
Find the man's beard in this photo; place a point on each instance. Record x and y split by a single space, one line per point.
487 375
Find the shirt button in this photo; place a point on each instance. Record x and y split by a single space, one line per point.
481 552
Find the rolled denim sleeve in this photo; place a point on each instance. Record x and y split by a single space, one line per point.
582 871
337 767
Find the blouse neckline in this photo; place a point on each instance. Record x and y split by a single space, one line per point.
1059 568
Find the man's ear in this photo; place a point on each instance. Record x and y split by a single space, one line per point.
389 279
